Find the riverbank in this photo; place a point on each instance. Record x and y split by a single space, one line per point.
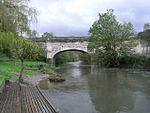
33 70
137 61
34 79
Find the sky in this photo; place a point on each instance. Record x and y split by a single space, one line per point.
75 17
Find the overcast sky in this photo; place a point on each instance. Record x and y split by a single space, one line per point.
75 17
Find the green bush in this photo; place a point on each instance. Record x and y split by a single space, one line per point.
108 58
85 57
136 60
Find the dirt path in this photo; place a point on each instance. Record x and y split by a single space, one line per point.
34 79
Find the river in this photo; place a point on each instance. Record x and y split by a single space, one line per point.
89 89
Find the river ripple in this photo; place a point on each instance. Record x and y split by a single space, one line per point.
90 89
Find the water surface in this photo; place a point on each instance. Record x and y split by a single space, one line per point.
90 89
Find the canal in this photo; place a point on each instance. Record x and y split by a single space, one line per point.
91 89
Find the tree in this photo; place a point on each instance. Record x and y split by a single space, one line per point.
46 34
6 42
110 39
23 49
85 57
16 16
146 26
33 34
15 19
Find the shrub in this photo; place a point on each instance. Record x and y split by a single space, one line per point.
136 60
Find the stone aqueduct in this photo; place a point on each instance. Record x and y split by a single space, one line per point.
59 44
56 45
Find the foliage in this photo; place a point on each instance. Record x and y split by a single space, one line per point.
85 57
33 34
110 39
71 56
15 19
4 57
9 67
6 42
1 79
46 34
16 16
24 49
146 26
144 37
64 57
135 61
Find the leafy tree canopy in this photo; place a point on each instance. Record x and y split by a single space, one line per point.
146 26
46 34
24 48
110 39
16 16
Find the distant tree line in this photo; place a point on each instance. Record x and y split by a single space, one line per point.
47 35
68 56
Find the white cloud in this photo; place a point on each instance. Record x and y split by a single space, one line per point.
74 17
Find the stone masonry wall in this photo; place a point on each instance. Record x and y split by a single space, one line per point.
55 47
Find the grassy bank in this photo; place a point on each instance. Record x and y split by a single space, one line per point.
10 67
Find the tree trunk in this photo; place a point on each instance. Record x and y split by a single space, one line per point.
21 72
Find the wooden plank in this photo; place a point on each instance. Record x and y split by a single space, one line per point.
28 102
43 99
19 99
36 101
42 104
24 104
6 97
32 101
51 106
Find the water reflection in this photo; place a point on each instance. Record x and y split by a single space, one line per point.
109 92
90 89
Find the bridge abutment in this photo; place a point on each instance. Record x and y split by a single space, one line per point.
51 61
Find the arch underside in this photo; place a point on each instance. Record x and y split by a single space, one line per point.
72 49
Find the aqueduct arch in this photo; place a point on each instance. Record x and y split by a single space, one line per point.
65 50
60 44
70 49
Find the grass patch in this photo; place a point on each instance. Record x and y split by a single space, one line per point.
32 63
1 79
54 68
4 57
8 67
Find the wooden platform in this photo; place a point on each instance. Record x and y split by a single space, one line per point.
19 99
